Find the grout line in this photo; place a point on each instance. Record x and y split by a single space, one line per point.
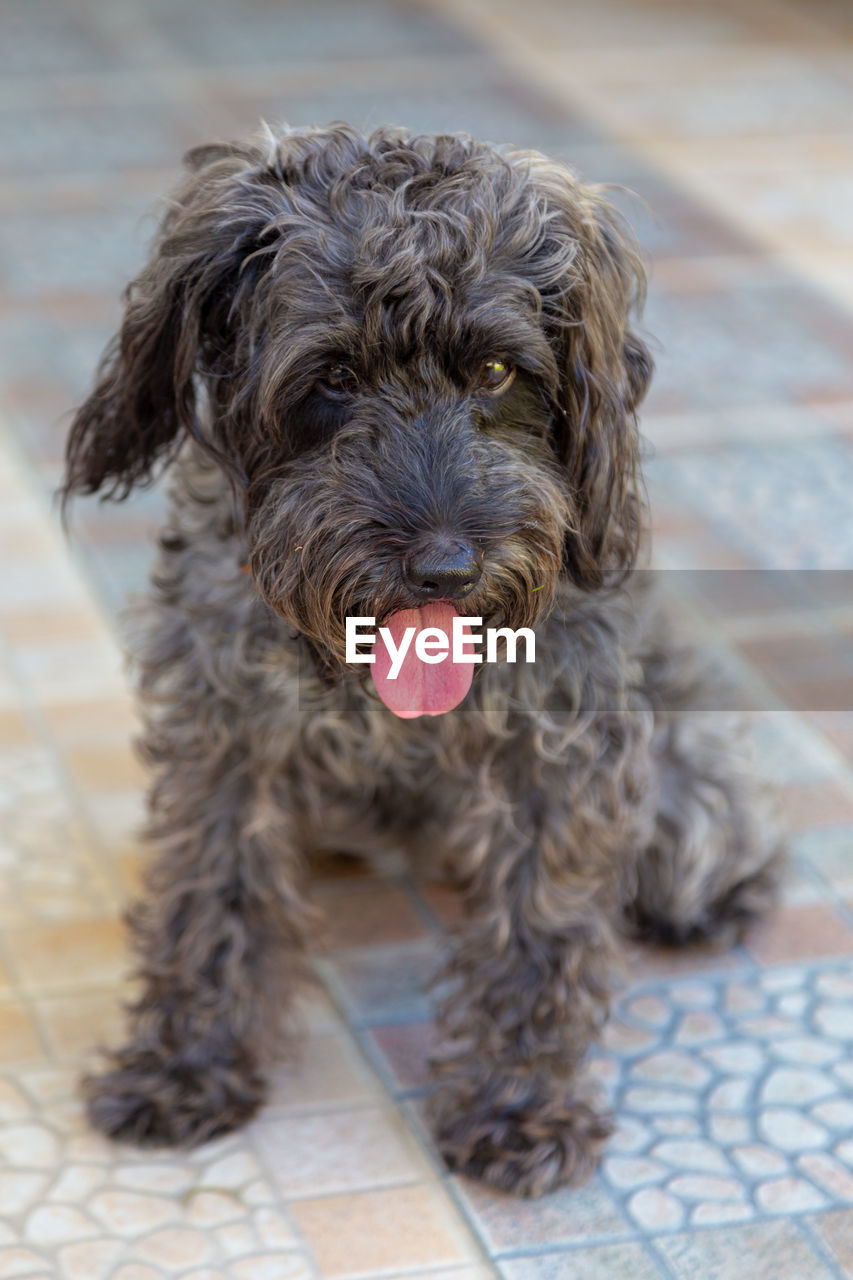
807 1230
575 1246
660 1258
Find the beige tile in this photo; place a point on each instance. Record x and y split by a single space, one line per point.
77 1024
35 905
47 622
175 1248
394 1229
343 1150
15 728
800 932
118 815
64 670
836 1231
816 804
25 538
450 1273
315 1012
650 962
328 1070
19 1040
95 720
130 865
106 768
73 954
89 1259
136 1271
6 985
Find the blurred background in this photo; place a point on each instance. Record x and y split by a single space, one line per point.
727 127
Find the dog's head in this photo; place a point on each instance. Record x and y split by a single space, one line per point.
414 354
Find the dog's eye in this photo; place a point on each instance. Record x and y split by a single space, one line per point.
495 376
338 381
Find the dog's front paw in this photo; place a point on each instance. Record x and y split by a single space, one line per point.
150 1100
521 1142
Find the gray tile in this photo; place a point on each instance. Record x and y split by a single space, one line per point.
785 507
566 1216
325 30
598 1262
61 251
106 139
42 38
737 347
384 983
470 99
763 1251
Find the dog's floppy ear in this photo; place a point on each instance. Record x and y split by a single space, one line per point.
176 312
604 368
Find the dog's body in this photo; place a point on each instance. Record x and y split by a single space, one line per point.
338 322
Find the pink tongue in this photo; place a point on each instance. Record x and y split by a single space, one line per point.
421 688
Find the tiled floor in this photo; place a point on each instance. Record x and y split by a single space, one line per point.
732 1074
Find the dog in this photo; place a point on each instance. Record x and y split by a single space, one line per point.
396 377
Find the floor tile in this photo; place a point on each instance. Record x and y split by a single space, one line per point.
828 851
835 1230
445 903
338 1150
327 1071
801 933
565 1217
15 728
90 723
767 1251
302 33
380 1231
76 1025
79 953
379 914
481 1272
386 982
596 1262
105 768
817 804
405 1048
838 728
19 1039
750 490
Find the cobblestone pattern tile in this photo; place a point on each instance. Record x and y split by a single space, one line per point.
733 1094
734 1098
81 1208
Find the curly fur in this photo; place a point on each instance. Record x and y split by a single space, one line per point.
566 796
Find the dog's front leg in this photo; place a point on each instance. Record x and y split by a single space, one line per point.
528 992
218 935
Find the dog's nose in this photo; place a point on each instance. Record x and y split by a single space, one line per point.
443 572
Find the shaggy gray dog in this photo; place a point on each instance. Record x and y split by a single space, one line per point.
396 375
